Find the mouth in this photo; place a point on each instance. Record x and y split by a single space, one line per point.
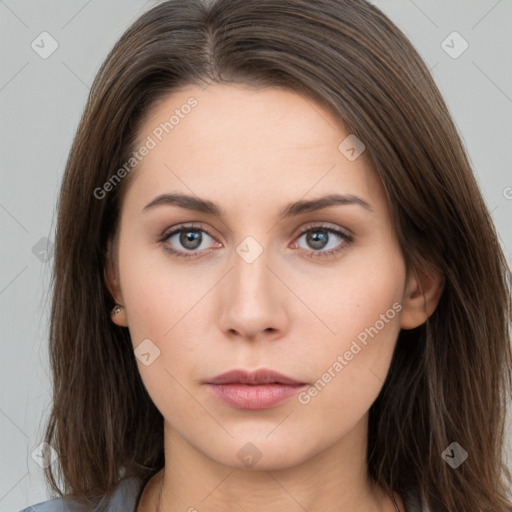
253 390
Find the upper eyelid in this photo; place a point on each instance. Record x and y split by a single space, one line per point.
327 226
300 231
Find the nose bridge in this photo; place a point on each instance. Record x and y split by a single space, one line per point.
250 275
250 302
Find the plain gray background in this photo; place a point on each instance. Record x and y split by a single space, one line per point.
41 101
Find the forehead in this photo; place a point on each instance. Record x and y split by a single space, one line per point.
251 117
228 141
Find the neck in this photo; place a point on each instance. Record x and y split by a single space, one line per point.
334 479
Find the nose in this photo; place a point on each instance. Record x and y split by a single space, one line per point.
253 299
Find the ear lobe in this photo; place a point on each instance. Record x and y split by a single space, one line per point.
422 294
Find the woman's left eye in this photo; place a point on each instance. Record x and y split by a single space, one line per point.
318 238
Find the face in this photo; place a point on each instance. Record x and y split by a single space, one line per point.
315 293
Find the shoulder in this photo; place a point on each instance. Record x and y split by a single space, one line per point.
124 499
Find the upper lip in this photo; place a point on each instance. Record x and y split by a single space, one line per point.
255 377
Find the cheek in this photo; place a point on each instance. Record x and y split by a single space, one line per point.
360 309
365 286
160 305
156 294
166 306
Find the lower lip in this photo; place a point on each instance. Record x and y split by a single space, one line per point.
245 396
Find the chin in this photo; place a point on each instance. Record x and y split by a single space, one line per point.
260 454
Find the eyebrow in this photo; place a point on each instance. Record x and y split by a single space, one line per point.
197 204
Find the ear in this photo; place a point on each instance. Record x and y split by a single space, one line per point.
111 278
422 293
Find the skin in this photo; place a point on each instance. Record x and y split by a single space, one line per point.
253 151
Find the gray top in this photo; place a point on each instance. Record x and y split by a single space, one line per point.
126 497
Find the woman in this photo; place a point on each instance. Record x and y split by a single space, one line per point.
309 304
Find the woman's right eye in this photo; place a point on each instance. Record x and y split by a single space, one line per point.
185 241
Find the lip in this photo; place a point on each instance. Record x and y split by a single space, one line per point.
260 389
255 377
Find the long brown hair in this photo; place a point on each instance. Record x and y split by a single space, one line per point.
449 379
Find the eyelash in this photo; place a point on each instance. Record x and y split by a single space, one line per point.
348 239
